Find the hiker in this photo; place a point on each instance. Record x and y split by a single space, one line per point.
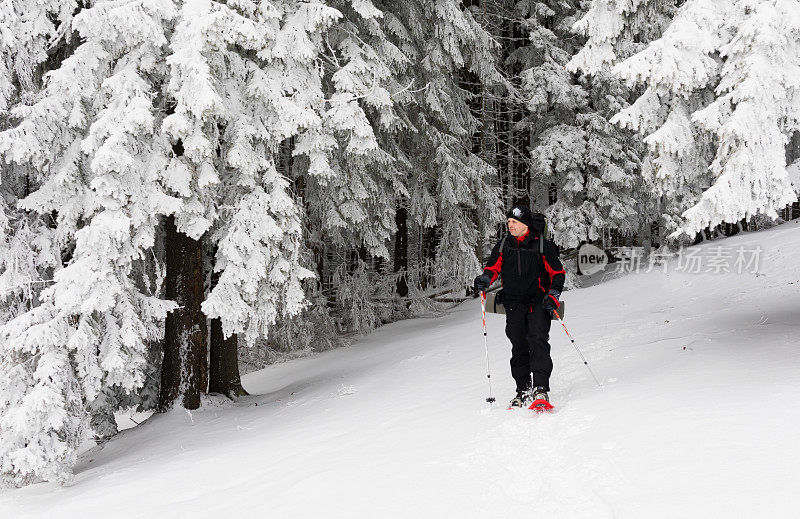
532 283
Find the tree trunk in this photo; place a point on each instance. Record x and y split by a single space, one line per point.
793 155
184 367
401 250
224 363
646 236
430 242
522 176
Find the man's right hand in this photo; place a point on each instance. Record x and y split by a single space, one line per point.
482 282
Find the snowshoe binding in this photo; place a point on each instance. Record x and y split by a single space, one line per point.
541 401
522 399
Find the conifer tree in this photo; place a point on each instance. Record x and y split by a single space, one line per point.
616 29
88 136
718 107
450 187
129 127
589 163
395 66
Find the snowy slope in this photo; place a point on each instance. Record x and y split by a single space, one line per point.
699 417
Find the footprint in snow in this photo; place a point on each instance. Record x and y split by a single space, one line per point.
346 390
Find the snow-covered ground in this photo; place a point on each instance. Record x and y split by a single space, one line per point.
699 417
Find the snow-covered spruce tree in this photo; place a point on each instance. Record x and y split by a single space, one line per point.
29 257
402 129
357 203
676 166
238 79
616 30
8 24
450 186
89 137
348 184
721 88
591 163
257 70
755 110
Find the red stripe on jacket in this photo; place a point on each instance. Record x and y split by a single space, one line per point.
495 269
550 270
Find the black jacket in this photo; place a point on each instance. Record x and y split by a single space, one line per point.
527 274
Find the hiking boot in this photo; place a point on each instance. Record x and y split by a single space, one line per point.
522 399
540 393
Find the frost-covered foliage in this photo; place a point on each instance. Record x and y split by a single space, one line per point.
102 161
115 114
394 75
464 191
358 298
754 113
719 106
448 183
353 204
243 79
617 29
30 378
8 44
592 164
88 140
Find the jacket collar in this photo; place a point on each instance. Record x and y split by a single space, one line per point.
526 240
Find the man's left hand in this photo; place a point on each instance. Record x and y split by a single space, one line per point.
550 301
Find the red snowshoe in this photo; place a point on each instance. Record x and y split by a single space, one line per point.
541 402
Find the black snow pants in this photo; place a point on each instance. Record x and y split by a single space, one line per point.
528 328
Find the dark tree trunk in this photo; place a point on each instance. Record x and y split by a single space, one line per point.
318 249
224 363
501 128
401 250
793 155
430 241
184 367
501 150
522 177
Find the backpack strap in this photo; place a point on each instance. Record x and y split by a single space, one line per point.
541 256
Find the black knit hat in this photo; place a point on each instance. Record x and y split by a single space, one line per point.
535 221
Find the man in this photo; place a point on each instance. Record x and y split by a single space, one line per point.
532 284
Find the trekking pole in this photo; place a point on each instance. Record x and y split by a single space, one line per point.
486 347
585 363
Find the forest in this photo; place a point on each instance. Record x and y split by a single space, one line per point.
196 188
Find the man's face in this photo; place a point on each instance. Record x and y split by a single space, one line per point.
516 228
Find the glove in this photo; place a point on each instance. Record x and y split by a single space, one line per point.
482 282
550 301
